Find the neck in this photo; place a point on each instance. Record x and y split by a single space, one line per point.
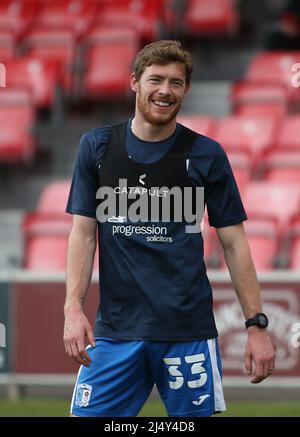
150 132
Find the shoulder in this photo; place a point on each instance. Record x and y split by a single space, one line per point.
207 146
96 136
204 145
207 154
94 141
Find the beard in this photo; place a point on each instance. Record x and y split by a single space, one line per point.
146 109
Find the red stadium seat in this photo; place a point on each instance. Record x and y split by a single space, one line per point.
282 166
295 262
211 18
277 201
288 138
46 231
45 241
39 76
263 238
276 68
7 45
200 124
252 135
37 224
17 118
54 197
109 55
259 99
16 16
74 15
142 16
295 244
56 46
262 110
240 164
210 244
44 253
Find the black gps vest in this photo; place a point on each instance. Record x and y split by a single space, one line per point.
153 283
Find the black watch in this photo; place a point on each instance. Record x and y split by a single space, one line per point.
260 320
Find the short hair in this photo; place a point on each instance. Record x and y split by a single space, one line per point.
163 52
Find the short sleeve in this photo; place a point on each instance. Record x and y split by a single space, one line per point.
222 197
82 197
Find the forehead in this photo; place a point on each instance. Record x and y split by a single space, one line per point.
174 69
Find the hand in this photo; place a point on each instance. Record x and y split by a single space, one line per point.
259 350
76 328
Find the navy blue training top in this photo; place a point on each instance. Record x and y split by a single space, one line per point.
178 310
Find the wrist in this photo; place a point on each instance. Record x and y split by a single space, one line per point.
253 330
74 305
260 320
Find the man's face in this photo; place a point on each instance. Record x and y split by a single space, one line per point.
160 92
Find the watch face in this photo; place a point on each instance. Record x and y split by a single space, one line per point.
262 320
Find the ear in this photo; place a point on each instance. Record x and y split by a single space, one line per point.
187 89
134 83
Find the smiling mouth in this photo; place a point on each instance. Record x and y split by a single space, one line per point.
162 104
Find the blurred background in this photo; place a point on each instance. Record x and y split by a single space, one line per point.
65 67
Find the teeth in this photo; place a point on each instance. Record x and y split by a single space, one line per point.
160 103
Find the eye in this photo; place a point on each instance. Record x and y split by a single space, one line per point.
154 80
177 84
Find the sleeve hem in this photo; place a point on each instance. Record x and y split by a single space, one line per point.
84 213
232 222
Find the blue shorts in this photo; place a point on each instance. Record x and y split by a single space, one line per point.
122 374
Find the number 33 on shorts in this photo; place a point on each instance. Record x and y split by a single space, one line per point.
192 383
197 368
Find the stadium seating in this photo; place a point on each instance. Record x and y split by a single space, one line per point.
45 232
39 76
263 237
269 200
16 16
211 18
282 166
74 15
7 45
295 243
53 199
252 135
240 164
142 16
55 46
108 55
259 99
46 253
288 138
17 119
276 68
200 124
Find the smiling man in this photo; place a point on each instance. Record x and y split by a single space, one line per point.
155 322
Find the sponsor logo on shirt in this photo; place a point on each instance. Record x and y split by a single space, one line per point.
155 204
141 179
153 233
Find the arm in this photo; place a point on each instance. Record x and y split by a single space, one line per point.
237 255
81 251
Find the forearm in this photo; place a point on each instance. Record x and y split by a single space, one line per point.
244 279
81 251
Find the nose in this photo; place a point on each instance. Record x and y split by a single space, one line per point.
164 88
